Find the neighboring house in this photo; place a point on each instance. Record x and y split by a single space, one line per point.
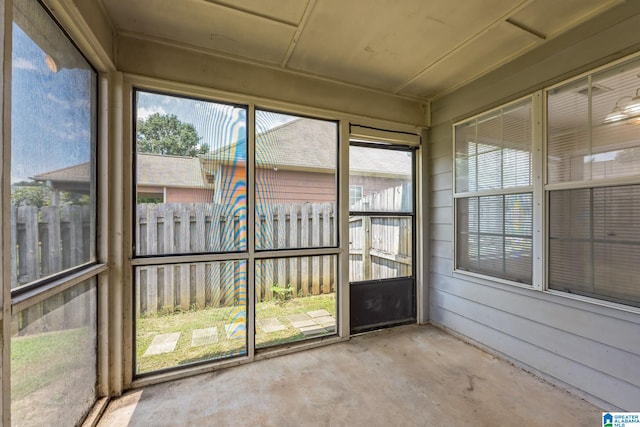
160 178
291 170
297 163
172 179
73 179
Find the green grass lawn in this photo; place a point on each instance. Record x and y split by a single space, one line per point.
53 376
148 327
39 360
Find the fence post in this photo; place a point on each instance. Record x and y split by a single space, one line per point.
166 213
327 232
185 270
281 275
304 243
51 259
14 246
366 247
72 215
293 243
28 245
214 283
315 242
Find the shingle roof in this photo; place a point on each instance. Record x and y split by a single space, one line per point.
301 144
308 144
169 171
76 173
152 170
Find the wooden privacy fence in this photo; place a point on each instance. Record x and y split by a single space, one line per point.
381 246
74 308
51 239
48 240
203 228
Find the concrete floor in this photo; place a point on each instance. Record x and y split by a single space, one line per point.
407 376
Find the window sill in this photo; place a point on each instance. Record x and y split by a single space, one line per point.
485 279
594 301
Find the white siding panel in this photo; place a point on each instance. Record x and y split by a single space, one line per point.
442 215
441 164
441 265
601 329
441 146
442 249
591 347
441 198
618 393
620 364
442 232
442 181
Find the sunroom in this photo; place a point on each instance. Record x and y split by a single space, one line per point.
198 186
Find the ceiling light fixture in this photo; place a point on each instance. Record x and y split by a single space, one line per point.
629 110
617 113
633 108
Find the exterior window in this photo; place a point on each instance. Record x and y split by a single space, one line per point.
53 341
190 176
296 181
593 168
191 199
355 194
53 144
53 358
493 191
296 195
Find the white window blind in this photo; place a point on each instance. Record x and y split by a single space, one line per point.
495 235
593 154
494 203
594 242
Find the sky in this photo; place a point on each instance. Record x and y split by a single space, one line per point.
50 120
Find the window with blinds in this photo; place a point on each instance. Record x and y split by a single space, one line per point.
593 177
493 191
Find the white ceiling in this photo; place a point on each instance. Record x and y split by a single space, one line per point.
417 48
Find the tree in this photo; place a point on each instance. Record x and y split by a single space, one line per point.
165 134
26 193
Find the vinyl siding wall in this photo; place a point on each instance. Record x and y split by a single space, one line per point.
586 344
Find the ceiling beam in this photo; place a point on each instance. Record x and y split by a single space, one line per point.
294 40
466 42
252 13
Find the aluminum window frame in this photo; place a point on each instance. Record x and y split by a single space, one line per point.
548 188
95 178
24 297
533 189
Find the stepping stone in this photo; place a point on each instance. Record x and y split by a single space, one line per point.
298 317
318 313
325 321
304 323
207 336
271 324
235 331
163 343
313 330
300 320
